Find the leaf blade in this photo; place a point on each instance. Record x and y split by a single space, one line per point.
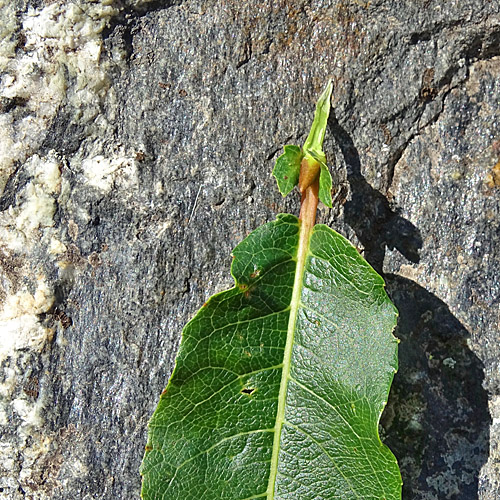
208 428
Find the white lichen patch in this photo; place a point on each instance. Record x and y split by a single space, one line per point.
23 303
22 337
62 45
449 362
29 413
105 173
56 247
27 224
23 224
19 324
8 27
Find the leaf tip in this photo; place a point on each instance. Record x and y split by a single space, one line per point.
314 141
325 97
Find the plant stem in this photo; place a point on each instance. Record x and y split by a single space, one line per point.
309 204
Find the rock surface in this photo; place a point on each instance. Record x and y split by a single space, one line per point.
136 144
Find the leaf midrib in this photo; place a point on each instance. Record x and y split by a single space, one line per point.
305 232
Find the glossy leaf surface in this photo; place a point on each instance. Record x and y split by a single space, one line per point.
241 419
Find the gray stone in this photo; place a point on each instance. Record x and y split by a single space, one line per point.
136 143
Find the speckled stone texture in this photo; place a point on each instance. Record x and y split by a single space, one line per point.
137 141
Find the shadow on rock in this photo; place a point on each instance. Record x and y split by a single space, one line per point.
437 420
375 222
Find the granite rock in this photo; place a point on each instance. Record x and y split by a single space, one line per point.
136 144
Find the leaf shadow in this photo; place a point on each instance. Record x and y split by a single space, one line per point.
376 223
437 420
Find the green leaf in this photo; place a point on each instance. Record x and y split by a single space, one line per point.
280 382
314 141
325 185
287 169
325 181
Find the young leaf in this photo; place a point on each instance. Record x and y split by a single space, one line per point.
325 181
280 382
287 169
314 141
325 185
